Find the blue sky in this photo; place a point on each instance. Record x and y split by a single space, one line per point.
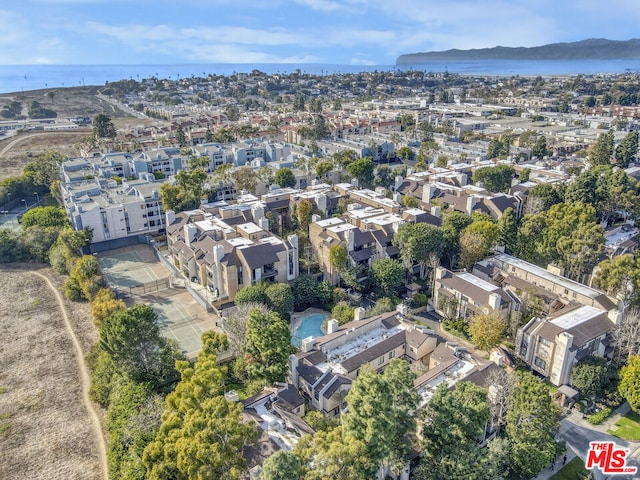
357 32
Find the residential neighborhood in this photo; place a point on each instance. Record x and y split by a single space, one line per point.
391 271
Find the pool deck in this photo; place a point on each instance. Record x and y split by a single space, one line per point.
296 318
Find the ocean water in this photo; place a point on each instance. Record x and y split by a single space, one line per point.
16 78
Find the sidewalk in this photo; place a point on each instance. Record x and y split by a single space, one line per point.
550 472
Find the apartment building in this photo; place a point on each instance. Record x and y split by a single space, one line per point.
114 211
231 249
326 367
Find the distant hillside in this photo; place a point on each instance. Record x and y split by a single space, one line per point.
591 49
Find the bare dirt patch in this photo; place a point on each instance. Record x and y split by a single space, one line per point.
45 430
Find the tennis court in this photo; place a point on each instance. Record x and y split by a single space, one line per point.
126 269
181 318
136 275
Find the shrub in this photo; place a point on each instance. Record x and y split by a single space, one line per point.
599 417
419 300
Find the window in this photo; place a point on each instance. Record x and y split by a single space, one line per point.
392 354
316 395
381 360
546 342
538 362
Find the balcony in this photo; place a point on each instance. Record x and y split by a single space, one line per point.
269 272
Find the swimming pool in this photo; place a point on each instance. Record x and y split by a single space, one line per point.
309 327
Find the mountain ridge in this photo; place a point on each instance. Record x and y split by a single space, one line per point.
589 49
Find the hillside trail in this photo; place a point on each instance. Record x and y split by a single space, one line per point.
85 378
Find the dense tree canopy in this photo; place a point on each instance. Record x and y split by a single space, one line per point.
454 420
103 126
387 433
268 346
132 338
387 274
202 436
495 179
362 169
590 375
629 386
532 420
285 178
417 241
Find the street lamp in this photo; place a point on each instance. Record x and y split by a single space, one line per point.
37 196
25 202
9 195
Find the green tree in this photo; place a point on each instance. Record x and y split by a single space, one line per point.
495 179
304 211
252 294
323 167
417 241
410 201
202 436
308 292
532 420
629 386
591 375
362 169
454 420
181 138
132 339
46 168
387 274
268 346
386 433
45 217
508 228
619 277
232 112
285 178
245 178
524 175
282 465
627 151
327 455
103 127
406 153
133 419
539 150
601 152
280 299
208 136
486 330
343 312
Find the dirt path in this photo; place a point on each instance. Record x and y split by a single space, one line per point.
84 376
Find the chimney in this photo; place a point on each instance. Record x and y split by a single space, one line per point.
398 181
435 211
358 314
427 192
402 309
350 238
257 212
471 202
494 301
170 216
321 203
263 223
190 231
397 198
332 326
315 218
440 273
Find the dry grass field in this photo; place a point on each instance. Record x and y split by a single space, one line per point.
46 432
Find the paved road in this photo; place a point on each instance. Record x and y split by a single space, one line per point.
577 432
